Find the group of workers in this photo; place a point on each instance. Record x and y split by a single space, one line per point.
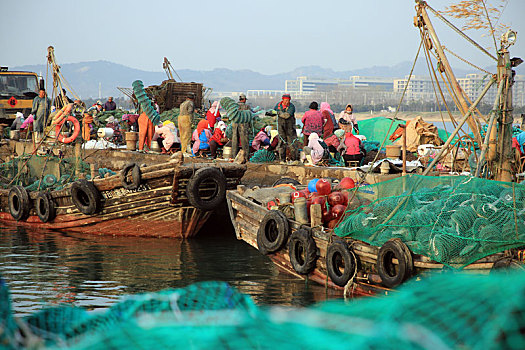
324 134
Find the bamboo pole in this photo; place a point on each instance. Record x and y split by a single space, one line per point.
463 106
404 149
504 171
458 127
488 136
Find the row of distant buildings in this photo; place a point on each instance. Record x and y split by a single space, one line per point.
419 88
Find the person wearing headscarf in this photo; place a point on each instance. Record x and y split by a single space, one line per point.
17 123
333 141
351 148
201 136
218 138
312 122
262 138
316 149
166 136
286 128
213 114
328 119
113 123
349 117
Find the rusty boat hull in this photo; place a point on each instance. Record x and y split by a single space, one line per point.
159 207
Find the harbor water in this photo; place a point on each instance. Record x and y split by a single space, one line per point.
48 268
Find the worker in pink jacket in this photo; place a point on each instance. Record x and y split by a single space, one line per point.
166 136
351 148
312 122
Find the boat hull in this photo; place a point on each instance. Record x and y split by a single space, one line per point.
247 216
159 207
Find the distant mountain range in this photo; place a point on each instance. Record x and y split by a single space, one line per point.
85 77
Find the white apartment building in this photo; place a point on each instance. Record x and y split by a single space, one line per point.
421 88
304 85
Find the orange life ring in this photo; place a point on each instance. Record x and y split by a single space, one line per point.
60 116
76 130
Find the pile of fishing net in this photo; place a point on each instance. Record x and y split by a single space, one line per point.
454 220
370 146
41 172
263 156
171 115
445 311
102 117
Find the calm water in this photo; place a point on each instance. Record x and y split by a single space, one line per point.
46 268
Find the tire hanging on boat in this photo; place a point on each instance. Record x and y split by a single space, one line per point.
303 251
206 198
136 176
85 197
392 274
45 207
19 204
273 232
506 265
341 263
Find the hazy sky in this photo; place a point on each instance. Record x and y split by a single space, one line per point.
267 36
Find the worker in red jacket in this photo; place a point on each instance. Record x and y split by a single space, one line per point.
218 138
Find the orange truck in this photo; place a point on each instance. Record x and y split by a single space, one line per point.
17 91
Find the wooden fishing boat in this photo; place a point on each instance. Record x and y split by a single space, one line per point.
163 200
357 267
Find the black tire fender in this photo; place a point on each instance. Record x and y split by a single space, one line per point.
45 207
302 251
341 263
19 203
273 232
506 265
136 176
286 180
391 274
208 175
86 197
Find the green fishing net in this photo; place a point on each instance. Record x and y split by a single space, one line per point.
41 172
454 220
443 311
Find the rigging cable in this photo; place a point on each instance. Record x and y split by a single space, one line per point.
466 37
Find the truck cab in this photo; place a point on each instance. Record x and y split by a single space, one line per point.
17 91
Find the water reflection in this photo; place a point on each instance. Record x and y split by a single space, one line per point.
46 268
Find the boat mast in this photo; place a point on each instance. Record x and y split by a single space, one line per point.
424 20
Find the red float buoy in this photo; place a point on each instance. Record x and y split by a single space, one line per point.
323 187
